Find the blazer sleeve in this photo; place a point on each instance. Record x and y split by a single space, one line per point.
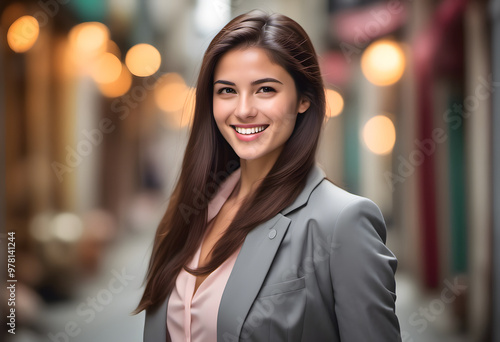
362 271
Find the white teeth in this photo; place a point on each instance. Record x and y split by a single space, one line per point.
249 130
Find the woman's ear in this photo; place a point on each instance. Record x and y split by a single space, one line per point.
303 105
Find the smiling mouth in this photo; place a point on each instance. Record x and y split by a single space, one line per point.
248 131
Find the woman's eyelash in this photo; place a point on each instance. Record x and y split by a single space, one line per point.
269 89
221 90
226 90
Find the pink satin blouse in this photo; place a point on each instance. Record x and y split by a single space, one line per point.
194 318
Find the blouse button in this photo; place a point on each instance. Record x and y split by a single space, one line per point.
272 233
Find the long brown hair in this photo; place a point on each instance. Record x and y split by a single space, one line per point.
209 159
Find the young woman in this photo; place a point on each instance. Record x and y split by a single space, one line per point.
256 243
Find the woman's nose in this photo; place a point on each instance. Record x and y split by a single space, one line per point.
245 107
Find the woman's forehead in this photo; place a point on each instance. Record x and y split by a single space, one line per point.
247 64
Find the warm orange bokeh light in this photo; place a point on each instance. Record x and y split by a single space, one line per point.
23 33
383 62
89 38
334 103
118 87
143 60
107 68
176 99
112 47
171 92
379 134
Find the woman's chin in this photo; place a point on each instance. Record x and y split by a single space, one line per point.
247 156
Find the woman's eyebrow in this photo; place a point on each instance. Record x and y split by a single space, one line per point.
265 80
224 82
262 80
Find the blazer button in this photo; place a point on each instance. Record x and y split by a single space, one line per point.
272 233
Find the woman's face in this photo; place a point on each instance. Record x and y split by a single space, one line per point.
255 103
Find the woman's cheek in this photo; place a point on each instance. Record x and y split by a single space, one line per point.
222 109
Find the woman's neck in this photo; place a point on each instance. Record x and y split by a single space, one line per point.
252 173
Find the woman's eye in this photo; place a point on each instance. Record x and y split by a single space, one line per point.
266 89
225 91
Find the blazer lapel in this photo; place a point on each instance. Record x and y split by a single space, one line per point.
315 176
248 274
253 263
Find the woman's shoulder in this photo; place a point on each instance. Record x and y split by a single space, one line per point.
336 198
332 206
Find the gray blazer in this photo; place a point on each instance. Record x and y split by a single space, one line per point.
317 271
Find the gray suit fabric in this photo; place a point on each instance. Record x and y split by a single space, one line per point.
317 271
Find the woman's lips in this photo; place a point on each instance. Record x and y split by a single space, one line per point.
245 133
249 129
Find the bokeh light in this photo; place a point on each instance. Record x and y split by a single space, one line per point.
40 227
334 103
176 99
89 38
112 47
170 92
64 226
118 87
23 33
143 60
67 227
379 134
107 68
383 62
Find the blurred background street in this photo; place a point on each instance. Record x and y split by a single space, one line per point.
96 100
